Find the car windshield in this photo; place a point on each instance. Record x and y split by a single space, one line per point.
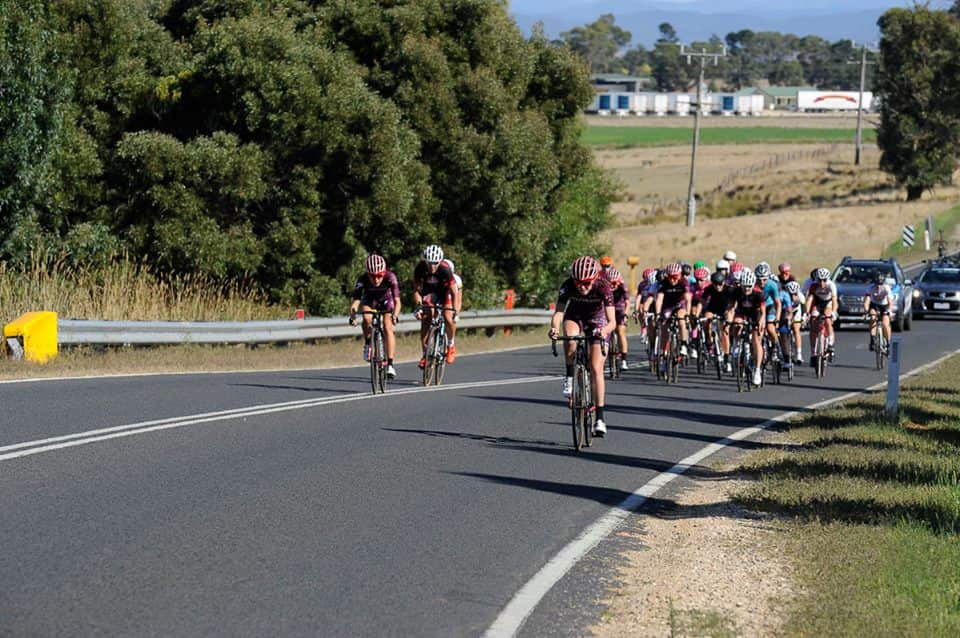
942 276
859 274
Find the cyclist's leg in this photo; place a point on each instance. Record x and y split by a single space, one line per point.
366 321
622 335
571 328
886 325
389 335
451 326
757 342
684 329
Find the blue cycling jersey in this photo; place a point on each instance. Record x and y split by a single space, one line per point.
771 291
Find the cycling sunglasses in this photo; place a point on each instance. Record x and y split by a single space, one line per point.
583 283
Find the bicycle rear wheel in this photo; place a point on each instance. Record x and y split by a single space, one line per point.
430 369
613 356
589 412
740 371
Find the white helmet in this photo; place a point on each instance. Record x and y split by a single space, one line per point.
793 287
748 279
449 264
730 255
823 273
433 254
762 269
723 264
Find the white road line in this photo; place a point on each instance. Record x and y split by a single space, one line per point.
512 617
29 448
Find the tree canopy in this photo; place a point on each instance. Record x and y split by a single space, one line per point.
280 141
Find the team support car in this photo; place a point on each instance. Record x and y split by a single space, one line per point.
937 290
854 277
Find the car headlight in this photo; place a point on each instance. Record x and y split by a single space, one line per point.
917 294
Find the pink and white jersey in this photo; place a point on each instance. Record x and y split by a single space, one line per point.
880 295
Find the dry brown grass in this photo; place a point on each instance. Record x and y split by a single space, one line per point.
126 291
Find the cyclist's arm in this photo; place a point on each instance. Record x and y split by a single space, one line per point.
555 321
455 295
688 301
658 304
611 321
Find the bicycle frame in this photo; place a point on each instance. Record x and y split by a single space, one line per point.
437 344
378 357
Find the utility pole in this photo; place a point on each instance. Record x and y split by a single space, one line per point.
863 79
702 57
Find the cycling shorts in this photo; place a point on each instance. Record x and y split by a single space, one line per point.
881 309
589 326
383 305
621 316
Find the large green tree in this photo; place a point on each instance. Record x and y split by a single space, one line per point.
918 86
599 43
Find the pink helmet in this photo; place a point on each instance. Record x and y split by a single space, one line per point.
701 274
647 272
784 268
614 276
376 265
736 266
584 269
674 269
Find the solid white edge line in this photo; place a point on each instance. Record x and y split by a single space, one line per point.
511 618
104 434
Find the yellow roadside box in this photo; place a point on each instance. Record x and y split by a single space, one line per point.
37 331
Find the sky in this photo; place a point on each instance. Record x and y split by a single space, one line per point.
711 6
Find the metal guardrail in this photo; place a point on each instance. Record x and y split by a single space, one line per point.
82 332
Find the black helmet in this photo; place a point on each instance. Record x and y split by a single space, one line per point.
879 277
687 269
717 278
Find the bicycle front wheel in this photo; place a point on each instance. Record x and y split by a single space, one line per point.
440 358
578 407
429 370
378 372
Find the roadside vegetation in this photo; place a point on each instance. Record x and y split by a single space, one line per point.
946 225
873 508
645 136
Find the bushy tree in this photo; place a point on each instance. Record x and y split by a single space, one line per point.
917 86
599 43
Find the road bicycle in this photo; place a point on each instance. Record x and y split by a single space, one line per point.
818 328
583 410
715 344
743 357
376 353
772 359
669 354
437 345
881 347
613 361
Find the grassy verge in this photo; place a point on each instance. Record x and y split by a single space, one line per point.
875 512
946 221
623 137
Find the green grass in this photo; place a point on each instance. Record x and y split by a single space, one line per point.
627 136
875 512
946 221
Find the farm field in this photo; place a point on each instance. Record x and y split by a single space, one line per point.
625 136
776 119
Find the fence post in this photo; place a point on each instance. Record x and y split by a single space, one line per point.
893 379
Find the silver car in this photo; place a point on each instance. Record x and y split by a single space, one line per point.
937 291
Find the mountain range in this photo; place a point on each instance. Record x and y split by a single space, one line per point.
699 19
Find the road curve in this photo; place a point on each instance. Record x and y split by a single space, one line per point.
292 503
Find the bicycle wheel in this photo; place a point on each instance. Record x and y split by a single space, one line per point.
441 358
717 354
613 356
589 411
429 370
878 347
578 408
700 343
821 356
378 371
740 370
673 362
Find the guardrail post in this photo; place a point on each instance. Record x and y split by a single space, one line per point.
508 304
893 380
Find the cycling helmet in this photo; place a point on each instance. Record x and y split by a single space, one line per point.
784 268
686 269
449 264
813 273
723 264
730 255
717 279
652 277
701 273
793 288
647 272
762 270
606 261
614 276
748 279
736 276
699 264
823 273
433 254
584 269
879 277
674 270
376 265
736 267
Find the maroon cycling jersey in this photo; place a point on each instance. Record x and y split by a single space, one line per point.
586 307
433 283
620 298
373 295
674 292
748 301
715 301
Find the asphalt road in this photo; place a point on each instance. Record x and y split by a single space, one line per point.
313 509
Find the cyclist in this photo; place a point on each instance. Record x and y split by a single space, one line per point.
606 263
822 302
723 267
701 280
746 307
620 300
713 302
879 301
784 276
433 283
674 296
687 271
585 306
646 294
377 289
771 300
812 279
797 302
